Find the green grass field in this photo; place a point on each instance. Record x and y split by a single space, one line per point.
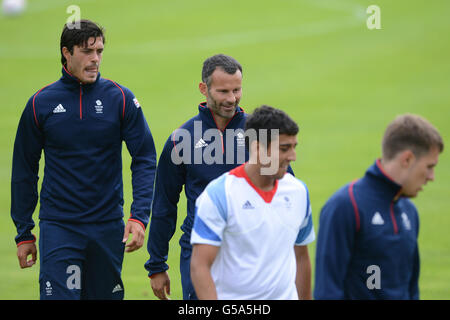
315 59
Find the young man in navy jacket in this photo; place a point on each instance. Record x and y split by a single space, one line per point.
367 241
80 122
202 149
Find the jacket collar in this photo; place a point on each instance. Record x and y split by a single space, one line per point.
384 183
208 117
70 79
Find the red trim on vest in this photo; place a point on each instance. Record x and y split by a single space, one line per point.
266 195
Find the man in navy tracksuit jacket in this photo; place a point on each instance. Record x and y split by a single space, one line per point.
80 122
170 179
367 241
193 155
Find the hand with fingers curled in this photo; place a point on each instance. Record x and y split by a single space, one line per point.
138 234
160 283
23 251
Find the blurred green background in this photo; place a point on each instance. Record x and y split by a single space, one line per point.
316 59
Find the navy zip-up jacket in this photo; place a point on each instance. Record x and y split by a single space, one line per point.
193 169
80 127
367 242
194 172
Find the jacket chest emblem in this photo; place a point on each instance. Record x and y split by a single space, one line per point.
287 202
98 106
240 139
406 222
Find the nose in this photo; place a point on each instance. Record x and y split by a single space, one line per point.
231 98
96 57
431 175
292 155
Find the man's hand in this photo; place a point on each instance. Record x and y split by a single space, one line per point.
23 251
160 283
138 233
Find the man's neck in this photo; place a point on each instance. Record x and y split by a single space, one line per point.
393 170
221 122
263 182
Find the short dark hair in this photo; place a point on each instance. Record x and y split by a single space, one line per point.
79 36
226 63
267 117
410 132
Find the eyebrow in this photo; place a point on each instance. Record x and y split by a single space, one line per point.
225 89
288 144
91 49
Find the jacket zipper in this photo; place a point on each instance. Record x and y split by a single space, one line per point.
221 138
81 105
220 131
394 222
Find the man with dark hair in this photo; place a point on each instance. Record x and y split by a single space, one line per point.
80 122
71 37
219 115
251 229
367 241
226 63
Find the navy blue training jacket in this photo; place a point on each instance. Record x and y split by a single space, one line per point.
367 242
172 176
80 127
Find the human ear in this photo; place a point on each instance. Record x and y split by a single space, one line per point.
203 88
407 157
66 53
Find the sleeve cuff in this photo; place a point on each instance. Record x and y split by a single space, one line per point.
135 219
138 221
23 241
151 275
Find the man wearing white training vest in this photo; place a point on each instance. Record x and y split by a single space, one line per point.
252 226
